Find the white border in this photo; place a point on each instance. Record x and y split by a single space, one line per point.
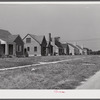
67 2
49 94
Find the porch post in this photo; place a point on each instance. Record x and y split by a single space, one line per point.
46 50
6 49
14 49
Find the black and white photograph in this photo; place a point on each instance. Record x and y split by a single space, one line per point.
49 46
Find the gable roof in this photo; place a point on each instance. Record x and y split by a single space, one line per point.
72 45
12 38
4 34
7 36
86 49
64 45
58 44
37 38
79 47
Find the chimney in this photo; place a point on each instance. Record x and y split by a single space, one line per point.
57 38
49 37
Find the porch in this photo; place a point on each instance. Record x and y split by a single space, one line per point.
7 49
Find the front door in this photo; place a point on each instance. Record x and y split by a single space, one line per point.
10 49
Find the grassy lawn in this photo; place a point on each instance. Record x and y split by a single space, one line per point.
63 75
13 62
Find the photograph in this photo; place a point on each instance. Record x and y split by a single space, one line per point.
49 46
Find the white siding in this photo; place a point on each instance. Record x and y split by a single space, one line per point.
6 46
6 49
33 44
81 51
55 48
71 50
65 50
2 42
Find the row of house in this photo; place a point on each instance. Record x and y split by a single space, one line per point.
34 45
10 44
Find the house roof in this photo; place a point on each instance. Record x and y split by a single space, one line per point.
72 45
11 38
86 48
79 47
39 38
7 36
64 45
58 44
4 34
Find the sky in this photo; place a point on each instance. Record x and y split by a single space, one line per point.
70 22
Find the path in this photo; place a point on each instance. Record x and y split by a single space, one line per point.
40 63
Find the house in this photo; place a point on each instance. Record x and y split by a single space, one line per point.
81 50
54 46
66 48
86 51
59 45
50 45
49 48
35 45
73 50
10 44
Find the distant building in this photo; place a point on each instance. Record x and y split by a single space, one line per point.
86 51
59 45
81 50
73 50
54 46
35 45
66 48
10 44
50 45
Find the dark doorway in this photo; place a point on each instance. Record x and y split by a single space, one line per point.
10 49
50 49
3 48
43 51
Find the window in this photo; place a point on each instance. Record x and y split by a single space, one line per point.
19 48
28 48
28 40
35 49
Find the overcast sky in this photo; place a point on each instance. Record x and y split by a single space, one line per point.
69 21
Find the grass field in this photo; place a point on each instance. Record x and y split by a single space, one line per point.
63 75
13 62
